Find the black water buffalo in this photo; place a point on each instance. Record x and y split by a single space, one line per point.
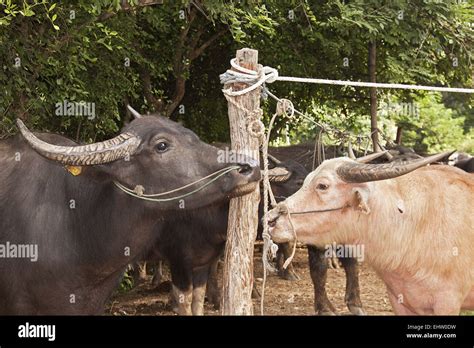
465 162
84 228
193 241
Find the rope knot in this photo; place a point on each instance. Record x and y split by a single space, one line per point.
271 74
139 190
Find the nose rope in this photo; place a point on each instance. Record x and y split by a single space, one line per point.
138 191
317 211
293 231
284 209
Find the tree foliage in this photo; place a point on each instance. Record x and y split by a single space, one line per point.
167 58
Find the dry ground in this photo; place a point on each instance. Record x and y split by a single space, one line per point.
282 297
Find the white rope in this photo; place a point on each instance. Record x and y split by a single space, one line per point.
268 74
269 247
138 191
374 84
251 77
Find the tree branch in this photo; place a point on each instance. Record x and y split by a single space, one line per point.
150 98
179 67
198 51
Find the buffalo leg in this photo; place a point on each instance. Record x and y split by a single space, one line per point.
352 297
183 300
158 273
200 277
182 293
213 292
283 253
318 267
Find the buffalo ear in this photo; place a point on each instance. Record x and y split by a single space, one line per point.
361 198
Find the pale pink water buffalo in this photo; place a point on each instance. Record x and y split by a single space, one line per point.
416 224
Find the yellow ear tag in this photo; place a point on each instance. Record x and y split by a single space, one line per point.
74 170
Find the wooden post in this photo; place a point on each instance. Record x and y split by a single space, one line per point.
373 97
398 138
243 211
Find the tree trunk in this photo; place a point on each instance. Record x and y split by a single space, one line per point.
398 138
243 211
373 97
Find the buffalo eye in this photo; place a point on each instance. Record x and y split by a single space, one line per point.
322 187
161 146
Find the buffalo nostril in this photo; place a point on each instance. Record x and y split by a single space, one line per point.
245 169
271 220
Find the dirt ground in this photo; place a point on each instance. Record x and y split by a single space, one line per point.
282 297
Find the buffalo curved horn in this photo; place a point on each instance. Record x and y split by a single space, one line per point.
278 174
83 155
357 173
134 112
273 159
371 157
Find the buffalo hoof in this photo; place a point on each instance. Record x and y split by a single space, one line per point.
322 305
356 310
288 275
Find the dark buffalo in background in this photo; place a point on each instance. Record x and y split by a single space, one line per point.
193 241
463 161
85 228
318 262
